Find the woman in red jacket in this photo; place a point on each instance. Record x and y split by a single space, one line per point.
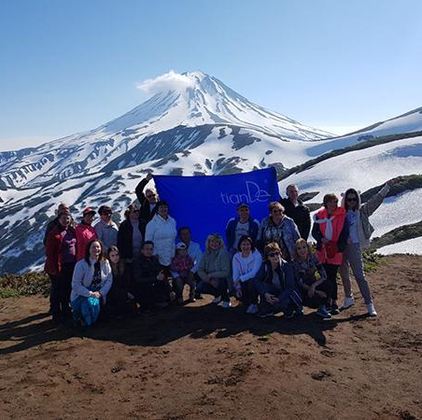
85 233
60 262
331 232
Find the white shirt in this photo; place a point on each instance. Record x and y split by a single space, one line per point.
246 268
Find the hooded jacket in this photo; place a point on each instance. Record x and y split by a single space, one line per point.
365 229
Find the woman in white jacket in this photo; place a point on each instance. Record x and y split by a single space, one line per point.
161 230
246 264
92 279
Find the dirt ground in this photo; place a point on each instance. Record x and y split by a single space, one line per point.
204 362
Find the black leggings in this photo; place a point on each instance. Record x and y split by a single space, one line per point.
331 270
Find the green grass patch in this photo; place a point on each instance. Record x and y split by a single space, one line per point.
371 260
15 285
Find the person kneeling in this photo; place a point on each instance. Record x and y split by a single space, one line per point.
92 279
180 267
315 291
276 285
151 286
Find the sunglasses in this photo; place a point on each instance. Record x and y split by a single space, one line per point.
150 195
273 254
277 211
352 199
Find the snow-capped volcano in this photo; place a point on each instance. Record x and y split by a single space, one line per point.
203 99
178 117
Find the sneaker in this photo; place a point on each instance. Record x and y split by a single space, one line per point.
252 309
334 309
226 304
266 314
347 303
322 312
299 311
371 310
289 314
217 300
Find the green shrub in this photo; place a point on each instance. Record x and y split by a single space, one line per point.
30 283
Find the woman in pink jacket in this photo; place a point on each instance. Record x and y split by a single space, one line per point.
85 233
331 232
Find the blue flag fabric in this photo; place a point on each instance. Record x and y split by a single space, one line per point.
206 203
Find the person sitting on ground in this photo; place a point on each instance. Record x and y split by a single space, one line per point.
276 285
277 227
129 240
85 233
147 200
62 208
152 286
194 251
181 266
92 280
360 231
107 230
246 264
331 232
119 297
161 230
242 225
214 270
296 210
312 278
60 249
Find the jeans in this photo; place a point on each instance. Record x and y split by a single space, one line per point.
353 256
283 306
249 293
179 283
220 290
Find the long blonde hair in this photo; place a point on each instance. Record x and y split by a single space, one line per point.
216 237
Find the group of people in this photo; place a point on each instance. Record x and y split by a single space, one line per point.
268 266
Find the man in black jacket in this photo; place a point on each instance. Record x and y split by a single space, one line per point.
147 199
296 210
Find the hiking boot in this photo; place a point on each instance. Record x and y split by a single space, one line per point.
252 309
347 303
371 310
322 312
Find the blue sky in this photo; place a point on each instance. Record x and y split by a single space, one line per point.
69 66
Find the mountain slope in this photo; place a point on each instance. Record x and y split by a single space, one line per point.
205 102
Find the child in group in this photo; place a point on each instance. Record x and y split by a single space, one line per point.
180 267
311 277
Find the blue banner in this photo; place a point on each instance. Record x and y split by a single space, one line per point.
206 203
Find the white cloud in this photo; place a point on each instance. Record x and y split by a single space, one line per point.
168 81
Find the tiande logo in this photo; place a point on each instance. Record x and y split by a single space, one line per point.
253 194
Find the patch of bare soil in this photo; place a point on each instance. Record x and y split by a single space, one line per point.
203 362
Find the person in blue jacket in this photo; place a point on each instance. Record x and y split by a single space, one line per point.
276 284
242 225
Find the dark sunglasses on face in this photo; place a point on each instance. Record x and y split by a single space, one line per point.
273 254
151 195
352 199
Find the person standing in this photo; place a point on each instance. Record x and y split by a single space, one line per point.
360 231
296 210
106 229
161 230
85 233
60 263
331 231
242 225
129 240
147 200
62 208
277 227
